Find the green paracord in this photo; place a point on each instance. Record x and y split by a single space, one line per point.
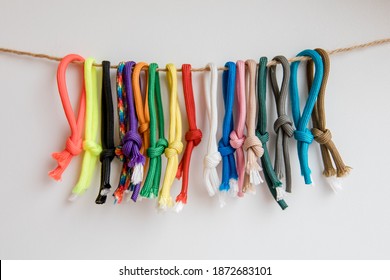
274 185
157 147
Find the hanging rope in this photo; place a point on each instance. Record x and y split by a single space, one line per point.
229 172
73 146
283 124
91 147
321 134
274 185
175 146
193 136
302 134
107 135
237 137
252 144
213 157
157 147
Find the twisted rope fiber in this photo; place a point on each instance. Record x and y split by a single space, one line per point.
283 124
297 58
322 135
274 185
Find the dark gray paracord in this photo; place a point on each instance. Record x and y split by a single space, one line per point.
283 124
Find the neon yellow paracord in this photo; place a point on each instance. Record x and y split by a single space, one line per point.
91 147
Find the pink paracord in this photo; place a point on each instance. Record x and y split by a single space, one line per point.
237 137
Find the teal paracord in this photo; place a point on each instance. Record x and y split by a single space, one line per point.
302 134
274 185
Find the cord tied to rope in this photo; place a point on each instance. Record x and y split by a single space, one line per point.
193 136
175 146
229 171
157 147
302 134
74 142
274 185
321 134
91 147
283 125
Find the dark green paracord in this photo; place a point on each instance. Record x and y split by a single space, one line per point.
157 147
274 185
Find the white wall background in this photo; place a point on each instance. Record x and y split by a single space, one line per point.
38 222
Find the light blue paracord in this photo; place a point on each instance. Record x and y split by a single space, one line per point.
302 134
229 170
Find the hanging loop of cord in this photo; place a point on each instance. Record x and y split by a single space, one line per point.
175 146
252 144
302 134
91 147
237 137
107 134
283 124
133 140
73 146
213 157
229 171
321 134
142 109
193 136
151 186
274 185
122 151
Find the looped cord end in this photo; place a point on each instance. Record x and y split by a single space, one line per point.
138 173
165 202
335 184
233 183
343 172
102 196
280 193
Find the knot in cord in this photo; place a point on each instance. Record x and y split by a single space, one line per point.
212 160
304 136
143 127
74 148
284 122
225 150
252 142
174 148
263 137
157 151
92 147
194 135
131 138
107 154
322 136
235 141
